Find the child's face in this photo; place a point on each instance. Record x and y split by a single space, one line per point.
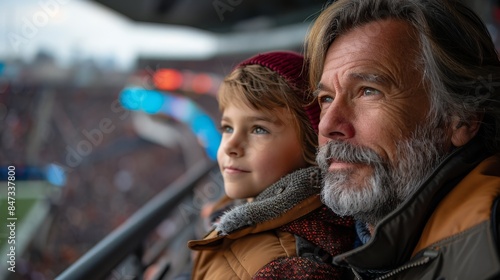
256 149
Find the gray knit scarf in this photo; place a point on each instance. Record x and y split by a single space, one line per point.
273 201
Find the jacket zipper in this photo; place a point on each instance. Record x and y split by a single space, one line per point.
427 256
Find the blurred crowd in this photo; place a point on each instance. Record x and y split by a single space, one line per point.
106 181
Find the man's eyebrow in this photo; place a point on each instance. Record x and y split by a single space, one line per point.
319 87
360 76
371 78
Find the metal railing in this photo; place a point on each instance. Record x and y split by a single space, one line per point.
128 239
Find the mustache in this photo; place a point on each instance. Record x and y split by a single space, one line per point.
346 152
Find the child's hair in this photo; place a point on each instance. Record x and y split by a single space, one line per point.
276 80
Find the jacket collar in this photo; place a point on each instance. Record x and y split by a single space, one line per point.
274 201
397 234
292 197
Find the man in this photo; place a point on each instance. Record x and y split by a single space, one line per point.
410 136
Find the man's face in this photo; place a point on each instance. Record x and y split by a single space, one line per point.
373 117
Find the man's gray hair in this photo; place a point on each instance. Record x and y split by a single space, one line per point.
458 60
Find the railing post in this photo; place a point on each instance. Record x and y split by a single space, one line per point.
99 261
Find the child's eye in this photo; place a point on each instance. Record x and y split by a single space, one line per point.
260 130
226 129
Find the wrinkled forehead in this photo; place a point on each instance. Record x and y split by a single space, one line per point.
384 51
397 37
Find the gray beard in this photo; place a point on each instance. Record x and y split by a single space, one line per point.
391 182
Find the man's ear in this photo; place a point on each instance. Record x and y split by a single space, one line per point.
464 131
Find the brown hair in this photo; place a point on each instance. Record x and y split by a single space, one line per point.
458 59
264 89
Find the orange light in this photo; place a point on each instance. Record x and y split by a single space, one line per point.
201 83
167 79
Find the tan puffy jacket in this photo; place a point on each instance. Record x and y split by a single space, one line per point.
249 237
449 229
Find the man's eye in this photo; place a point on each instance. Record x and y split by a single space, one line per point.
370 91
325 99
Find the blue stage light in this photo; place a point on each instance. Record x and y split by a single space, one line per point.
176 107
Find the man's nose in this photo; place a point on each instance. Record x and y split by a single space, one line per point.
336 121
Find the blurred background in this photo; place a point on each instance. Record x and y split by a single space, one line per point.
103 104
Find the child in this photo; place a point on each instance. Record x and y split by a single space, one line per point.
267 156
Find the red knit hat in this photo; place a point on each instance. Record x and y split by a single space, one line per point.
289 65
